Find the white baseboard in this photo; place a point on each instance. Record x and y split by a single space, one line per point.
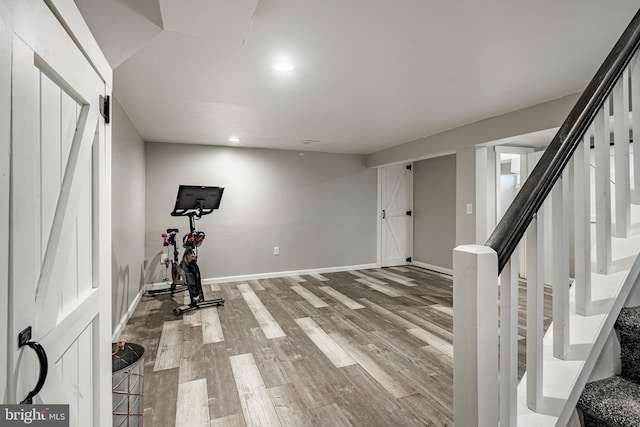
123 322
447 271
286 273
241 278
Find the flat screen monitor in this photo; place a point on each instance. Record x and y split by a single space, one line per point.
197 199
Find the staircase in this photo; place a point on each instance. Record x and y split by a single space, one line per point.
593 272
615 401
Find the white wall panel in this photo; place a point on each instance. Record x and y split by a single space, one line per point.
68 119
85 227
49 154
75 368
85 377
68 366
25 219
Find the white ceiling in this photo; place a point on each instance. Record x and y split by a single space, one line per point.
369 74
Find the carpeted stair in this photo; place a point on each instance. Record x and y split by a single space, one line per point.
615 401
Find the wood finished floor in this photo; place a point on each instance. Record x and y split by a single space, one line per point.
360 348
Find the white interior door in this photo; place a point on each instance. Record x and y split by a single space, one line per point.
396 225
59 207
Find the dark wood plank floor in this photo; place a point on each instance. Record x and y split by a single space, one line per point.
364 348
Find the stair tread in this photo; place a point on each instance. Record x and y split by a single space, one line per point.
628 321
613 401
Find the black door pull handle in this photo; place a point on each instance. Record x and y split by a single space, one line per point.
23 340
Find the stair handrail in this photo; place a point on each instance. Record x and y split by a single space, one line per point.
515 221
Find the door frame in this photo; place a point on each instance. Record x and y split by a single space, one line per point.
524 168
524 153
409 244
5 173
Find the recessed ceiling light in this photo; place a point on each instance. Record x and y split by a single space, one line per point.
234 139
283 66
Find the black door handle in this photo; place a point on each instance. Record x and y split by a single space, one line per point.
42 358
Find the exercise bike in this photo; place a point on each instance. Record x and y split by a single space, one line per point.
194 202
177 275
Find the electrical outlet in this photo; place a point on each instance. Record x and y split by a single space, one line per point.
276 250
469 208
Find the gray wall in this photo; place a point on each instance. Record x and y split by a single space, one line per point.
320 209
434 205
128 212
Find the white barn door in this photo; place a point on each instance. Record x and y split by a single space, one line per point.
59 208
395 215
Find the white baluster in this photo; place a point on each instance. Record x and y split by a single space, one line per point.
535 310
582 224
635 115
475 336
603 190
621 149
560 267
509 342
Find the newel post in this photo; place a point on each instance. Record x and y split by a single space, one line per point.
475 336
